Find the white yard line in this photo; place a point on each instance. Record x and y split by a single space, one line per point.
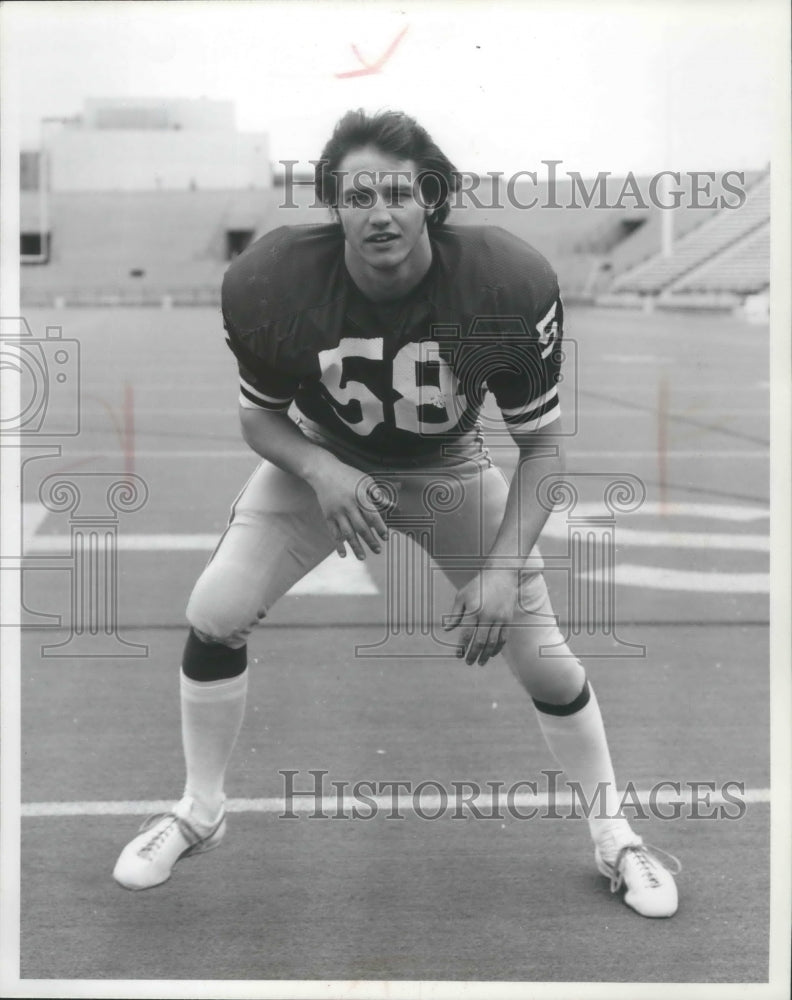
427 800
556 527
333 576
59 544
351 577
234 452
659 578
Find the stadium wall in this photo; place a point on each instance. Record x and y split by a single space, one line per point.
201 113
96 160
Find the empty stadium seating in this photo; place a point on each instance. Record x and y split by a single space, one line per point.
725 231
742 268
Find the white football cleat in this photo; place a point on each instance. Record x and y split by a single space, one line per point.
164 839
647 875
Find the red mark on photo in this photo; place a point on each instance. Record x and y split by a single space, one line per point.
369 69
129 429
662 440
125 427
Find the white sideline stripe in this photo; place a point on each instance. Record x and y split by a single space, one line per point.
226 454
691 414
128 543
333 576
406 803
635 359
557 527
689 540
697 453
716 511
658 578
33 516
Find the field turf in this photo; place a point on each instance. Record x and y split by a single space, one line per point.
679 401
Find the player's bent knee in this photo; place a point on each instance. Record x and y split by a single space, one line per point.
235 640
552 678
221 618
228 631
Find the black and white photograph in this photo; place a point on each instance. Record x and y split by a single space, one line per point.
395 499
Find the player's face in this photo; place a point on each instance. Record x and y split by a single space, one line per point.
384 224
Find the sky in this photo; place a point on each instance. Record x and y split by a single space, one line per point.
642 85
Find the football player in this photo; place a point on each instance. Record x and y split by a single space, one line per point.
365 347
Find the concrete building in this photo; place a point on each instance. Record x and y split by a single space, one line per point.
140 192
150 144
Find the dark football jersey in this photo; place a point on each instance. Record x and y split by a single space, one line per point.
400 378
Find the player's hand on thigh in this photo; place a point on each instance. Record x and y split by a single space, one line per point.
353 505
483 609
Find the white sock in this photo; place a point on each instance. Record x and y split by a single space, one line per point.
578 743
211 713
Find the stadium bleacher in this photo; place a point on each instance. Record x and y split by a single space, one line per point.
742 268
730 231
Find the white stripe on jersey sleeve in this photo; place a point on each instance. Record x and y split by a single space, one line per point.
547 328
532 405
250 405
543 421
550 314
264 401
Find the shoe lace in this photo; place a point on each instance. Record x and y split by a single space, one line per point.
159 838
646 857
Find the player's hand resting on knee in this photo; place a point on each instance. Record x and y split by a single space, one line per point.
352 503
483 609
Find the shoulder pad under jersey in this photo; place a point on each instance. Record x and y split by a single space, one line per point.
284 296
496 272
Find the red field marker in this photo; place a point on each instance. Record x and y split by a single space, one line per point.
662 440
128 439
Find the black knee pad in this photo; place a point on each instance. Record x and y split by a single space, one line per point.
211 661
574 706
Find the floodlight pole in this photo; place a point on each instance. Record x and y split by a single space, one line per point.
667 214
666 219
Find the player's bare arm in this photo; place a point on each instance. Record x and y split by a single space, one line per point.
485 606
347 496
